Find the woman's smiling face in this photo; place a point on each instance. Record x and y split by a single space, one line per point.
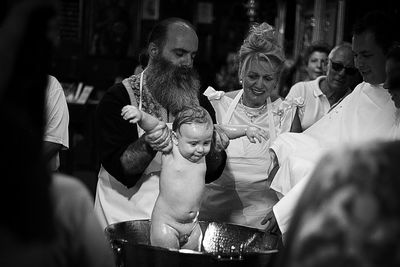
259 81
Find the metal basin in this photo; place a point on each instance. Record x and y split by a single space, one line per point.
223 245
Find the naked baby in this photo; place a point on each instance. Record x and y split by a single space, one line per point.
174 222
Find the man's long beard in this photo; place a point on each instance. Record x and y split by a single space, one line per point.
174 87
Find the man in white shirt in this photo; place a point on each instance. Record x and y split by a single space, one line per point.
319 95
57 120
367 114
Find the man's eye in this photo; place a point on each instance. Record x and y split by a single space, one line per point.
268 78
179 54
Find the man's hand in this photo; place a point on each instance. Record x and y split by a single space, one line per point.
272 225
220 139
160 138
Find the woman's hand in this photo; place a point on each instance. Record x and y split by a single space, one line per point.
254 133
160 138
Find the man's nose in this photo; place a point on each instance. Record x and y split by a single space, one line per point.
342 72
187 61
358 62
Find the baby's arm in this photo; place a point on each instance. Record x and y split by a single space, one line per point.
134 115
252 132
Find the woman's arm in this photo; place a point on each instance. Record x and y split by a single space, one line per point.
252 132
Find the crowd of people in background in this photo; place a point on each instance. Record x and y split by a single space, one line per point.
298 148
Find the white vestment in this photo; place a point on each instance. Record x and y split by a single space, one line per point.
367 114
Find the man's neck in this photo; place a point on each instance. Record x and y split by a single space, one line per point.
332 94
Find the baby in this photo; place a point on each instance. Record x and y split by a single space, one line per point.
174 221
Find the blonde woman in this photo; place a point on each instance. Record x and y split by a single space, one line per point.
241 195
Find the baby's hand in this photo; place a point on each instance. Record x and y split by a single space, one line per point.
253 133
131 114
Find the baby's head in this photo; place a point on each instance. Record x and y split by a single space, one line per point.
192 132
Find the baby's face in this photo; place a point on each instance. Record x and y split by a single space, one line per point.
194 140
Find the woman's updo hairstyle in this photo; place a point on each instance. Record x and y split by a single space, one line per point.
261 42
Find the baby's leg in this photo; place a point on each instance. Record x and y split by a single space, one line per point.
163 235
195 238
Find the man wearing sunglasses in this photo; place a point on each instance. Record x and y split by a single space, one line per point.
319 95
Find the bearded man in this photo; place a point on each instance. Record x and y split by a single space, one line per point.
128 183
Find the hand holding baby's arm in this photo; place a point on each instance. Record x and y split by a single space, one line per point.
253 133
131 114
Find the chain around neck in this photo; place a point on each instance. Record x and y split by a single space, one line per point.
253 113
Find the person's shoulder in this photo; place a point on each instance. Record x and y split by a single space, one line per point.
66 187
116 89
300 88
52 79
53 85
72 202
115 94
276 99
232 94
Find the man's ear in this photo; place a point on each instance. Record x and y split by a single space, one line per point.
153 50
174 138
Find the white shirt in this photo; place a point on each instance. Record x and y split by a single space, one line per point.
366 114
315 103
57 118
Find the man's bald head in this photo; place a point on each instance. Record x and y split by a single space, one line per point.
341 67
159 33
344 48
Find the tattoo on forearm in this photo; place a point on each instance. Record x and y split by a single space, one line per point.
137 157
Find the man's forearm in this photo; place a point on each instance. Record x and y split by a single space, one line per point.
135 160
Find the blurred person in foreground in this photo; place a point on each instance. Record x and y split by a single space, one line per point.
49 219
349 213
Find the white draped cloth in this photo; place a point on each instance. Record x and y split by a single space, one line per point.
367 114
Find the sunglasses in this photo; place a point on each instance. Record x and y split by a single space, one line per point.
339 66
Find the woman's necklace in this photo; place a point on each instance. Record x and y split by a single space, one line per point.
253 113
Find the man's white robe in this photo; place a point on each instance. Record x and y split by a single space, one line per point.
367 114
